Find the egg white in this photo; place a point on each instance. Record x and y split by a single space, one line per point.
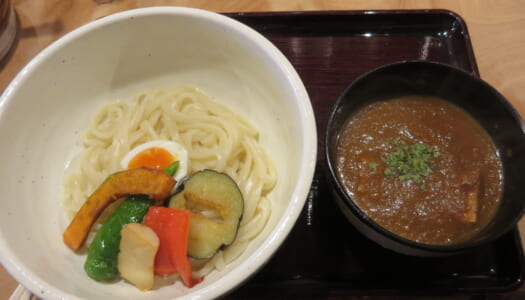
175 149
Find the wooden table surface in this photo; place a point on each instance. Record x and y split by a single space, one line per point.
497 30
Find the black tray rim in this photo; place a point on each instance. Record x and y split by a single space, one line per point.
444 12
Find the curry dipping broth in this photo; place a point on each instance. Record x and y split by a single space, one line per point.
448 203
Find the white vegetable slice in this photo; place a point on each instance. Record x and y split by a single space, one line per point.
138 247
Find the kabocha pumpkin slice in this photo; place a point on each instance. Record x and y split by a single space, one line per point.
156 184
216 205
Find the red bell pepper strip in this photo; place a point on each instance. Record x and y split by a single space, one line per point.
172 228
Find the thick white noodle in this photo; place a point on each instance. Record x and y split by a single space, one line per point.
214 136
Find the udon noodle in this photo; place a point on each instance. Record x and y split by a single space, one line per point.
214 137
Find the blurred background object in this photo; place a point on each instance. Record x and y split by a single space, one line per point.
8 27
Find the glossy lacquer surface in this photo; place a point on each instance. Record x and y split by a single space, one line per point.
324 255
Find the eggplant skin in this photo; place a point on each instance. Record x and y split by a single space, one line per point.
216 204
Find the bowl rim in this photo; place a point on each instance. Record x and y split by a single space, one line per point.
362 217
285 223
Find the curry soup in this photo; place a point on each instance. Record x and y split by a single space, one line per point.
420 167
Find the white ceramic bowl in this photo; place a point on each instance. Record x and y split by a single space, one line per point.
47 106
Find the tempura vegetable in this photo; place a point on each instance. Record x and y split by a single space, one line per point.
138 247
216 205
172 227
101 263
156 184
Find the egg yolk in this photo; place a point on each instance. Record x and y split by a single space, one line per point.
154 157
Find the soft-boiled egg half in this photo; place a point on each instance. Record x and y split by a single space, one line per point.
157 154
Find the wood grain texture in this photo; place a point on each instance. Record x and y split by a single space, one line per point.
497 30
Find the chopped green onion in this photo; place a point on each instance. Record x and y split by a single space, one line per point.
172 169
410 162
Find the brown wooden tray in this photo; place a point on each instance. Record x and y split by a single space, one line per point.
324 255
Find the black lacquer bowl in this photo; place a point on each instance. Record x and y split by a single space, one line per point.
494 113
